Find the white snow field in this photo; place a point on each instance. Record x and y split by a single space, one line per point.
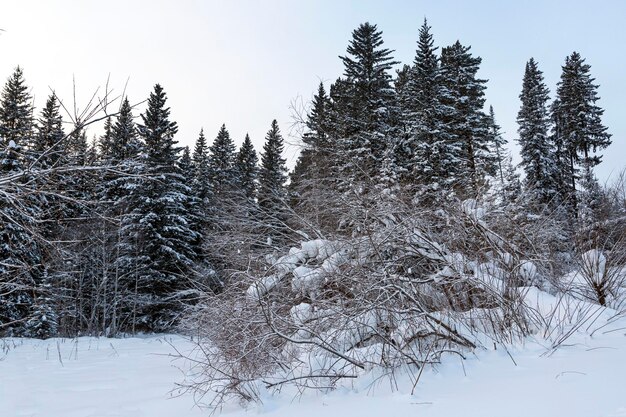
133 377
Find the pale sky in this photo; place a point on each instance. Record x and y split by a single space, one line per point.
242 62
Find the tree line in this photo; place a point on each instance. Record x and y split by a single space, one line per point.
126 233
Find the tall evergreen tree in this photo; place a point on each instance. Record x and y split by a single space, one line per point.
468 157
426 144
272 179
121 147
497 142
368 103
312 166
201 184
222 165
537 149
104 144
158 252
49 147
20 256
580 131
247 168
16 112
125 144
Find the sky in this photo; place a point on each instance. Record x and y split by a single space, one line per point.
247 62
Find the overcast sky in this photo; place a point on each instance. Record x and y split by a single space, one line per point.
243 62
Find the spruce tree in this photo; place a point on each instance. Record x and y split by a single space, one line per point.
194 205
222 165
272 179
312 166
496 143
467 156
537 149
105 141
20 255
426 144
16 112
50 146
158 252
368 104
247 169
125 144
201 184
580 132
120 149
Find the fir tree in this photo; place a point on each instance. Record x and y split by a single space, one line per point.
194 205
120 146
537 150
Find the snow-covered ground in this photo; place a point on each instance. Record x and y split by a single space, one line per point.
88 377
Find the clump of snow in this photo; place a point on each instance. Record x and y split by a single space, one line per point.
262 286
471 209
593 265
528 272
306 281
301 313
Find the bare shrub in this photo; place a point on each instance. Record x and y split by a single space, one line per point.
406 286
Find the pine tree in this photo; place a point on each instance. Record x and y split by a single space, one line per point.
580 132
467 155
247 169
16 112
272 179
537 149
158 252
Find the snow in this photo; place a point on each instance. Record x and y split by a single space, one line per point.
305 280
89 377
133 378
594 265
573 365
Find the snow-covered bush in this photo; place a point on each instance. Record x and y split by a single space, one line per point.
409 287
603 275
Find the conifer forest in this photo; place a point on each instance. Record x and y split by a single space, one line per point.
406 232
